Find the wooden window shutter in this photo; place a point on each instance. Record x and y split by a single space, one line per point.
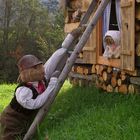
128 35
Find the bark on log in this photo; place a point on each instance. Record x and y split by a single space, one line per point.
93 69
101 69
123 89
138 49
123 76
104 87
116 89
92 77
113 81
135 80
44 110
107 77
80 69
119 82
131 89
109 69
109 88
97 69
126 80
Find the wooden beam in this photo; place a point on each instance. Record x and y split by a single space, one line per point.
135 80
109 62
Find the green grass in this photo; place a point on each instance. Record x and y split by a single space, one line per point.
85 113
6 93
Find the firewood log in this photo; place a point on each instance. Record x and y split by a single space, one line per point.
138 49
104 86
81 55
135 80
80 69
109 69
123 89
123 80
101 69
116 73
85 71
109 88
107 77
115 77
93 69
99 82
97 68
116 89
133 89
125 77
119 82
101 79
113 81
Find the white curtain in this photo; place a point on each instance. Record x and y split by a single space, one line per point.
118 13
106 19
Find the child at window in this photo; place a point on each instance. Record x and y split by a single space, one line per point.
112 44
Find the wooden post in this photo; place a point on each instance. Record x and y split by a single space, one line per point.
45 109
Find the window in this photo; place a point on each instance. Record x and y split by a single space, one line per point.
110 21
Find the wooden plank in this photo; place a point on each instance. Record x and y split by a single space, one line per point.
70 26
135 80
85 4
109 62
128 35
126 4
90 46
92 77
89 57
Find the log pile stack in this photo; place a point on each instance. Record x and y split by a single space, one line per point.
82 75
113 80
105 77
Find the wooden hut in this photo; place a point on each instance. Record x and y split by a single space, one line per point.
91 67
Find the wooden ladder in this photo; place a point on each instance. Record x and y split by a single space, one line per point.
70 62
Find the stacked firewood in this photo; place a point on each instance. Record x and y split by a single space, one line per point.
113 80
81 75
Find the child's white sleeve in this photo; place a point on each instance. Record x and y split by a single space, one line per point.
24 96
53 61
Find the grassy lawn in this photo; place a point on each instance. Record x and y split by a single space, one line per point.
85 113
